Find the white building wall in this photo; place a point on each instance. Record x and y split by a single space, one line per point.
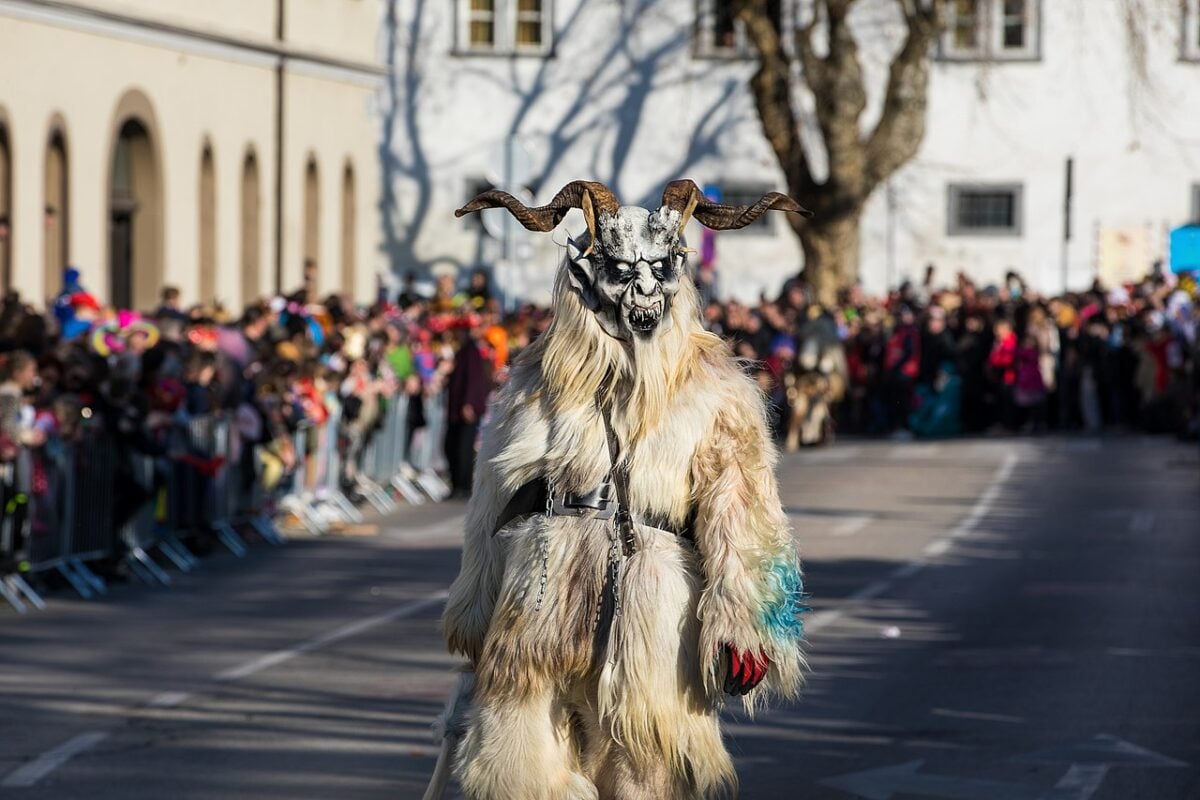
623 99
1135 142
620 100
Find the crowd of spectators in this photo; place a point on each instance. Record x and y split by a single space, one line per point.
936 361
923 361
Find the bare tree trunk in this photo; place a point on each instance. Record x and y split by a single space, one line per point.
858 160
830 254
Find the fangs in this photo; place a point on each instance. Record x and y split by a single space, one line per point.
645 317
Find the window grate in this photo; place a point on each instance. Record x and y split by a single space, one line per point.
975 210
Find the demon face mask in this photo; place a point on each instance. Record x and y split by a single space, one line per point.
627 267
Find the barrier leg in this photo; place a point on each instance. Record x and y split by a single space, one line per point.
140 556
27 591
375 495
182 563
266 530
94 580
403 482
180 549
433 485
140 572
78 583
12 596
228 537
344 505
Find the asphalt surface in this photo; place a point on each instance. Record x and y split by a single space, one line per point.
993 620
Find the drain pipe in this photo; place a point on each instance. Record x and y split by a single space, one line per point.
279 76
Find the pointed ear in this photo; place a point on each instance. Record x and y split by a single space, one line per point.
582 274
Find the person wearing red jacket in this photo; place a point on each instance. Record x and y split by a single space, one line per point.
902 363
1003 364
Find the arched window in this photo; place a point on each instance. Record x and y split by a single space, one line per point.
349 226
5 207
208 227
251 246
135 207
56 252
312 227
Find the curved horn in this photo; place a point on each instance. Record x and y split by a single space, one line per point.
545 218
685 197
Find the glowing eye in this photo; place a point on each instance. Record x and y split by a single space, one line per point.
623 271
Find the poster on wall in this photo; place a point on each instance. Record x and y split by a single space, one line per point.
1185 249
1124 255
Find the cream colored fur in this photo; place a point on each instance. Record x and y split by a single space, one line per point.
552 719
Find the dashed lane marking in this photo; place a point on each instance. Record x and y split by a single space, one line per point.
29 774
346 631
934 549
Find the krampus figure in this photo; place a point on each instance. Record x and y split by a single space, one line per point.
816 384
626 559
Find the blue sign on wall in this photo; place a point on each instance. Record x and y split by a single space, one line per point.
1185 249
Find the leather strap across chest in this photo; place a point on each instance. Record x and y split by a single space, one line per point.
600 503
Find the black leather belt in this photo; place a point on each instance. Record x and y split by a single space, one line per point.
600 503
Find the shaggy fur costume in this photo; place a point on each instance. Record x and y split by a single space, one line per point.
552 718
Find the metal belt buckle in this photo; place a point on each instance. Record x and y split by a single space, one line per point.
596 504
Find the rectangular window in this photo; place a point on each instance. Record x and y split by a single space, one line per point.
984 210
719 34
1015 25
529 24
967 26
504 27
482 22
1190 50
743 194
991 30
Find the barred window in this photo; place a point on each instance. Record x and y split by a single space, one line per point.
975 210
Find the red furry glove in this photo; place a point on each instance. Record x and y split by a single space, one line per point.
744 670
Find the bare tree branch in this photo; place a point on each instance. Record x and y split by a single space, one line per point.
901 127
772 90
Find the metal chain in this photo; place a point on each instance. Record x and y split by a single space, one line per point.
544 551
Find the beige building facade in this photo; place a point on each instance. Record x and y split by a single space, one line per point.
214 146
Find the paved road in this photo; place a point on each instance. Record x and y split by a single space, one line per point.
994 620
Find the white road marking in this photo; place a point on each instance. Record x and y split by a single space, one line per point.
29 774
1080 783
951 712
937 547
169 699
933 549
852 525
822 619
346 631
1141 522
47 762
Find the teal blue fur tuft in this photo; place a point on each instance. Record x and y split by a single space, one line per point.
785 601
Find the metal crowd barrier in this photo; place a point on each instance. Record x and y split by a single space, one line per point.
68 506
